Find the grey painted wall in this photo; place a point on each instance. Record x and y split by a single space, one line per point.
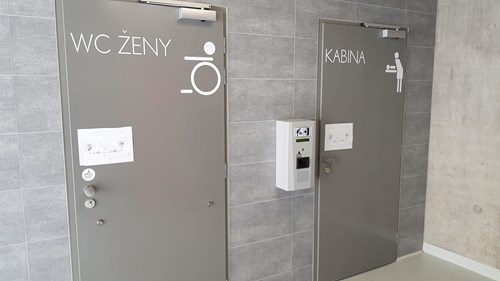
463 210
272 75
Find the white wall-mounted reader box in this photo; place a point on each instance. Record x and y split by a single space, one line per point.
295 154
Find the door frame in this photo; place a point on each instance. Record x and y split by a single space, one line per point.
68 149
319 123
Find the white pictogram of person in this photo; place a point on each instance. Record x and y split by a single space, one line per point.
209 49
398 70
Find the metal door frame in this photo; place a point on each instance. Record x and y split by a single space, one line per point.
68 149
319 124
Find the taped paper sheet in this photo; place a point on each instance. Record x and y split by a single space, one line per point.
338 136
105 146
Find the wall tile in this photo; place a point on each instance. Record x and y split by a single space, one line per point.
253 100
49 260
11 218
309 12
255 222
374 14
7 106
245 149
261 17
252 56
38 8
43 220
41 159
280 277
414 160
7 116
416 128
409 245
260 260
9 163
4 7
400 4
13 265
420 63
5 60
306 56
412 191
418 96
38 104
302 249
411 221
428 6
303 191
33 46
253 183
303 213
422 29
303 274
304 99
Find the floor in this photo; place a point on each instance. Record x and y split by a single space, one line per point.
419 267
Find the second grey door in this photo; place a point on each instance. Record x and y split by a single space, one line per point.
163 215
361 84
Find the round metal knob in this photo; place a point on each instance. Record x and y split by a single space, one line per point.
210 204
89 191
100 222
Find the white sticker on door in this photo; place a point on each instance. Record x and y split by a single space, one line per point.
88 174
105 146
397 69
209 49
338 136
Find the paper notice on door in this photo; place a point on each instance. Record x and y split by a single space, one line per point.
338 136
105 146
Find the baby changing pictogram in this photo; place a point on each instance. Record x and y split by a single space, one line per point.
398 70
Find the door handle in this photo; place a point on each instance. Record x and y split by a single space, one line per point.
89 191
329 162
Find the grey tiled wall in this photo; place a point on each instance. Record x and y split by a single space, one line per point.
33 209
272 75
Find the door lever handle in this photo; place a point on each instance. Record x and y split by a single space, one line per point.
329 161
89 191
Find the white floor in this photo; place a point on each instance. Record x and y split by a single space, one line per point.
419 267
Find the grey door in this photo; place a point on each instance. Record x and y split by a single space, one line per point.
164 214
359 199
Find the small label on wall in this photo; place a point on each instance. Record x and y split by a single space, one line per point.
105 146
338 136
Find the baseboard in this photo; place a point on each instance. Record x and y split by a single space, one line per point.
461 261
410 255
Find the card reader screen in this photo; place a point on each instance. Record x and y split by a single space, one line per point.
302 163
302 140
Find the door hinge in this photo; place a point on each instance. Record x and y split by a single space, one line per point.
397 238
224 45
225 170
